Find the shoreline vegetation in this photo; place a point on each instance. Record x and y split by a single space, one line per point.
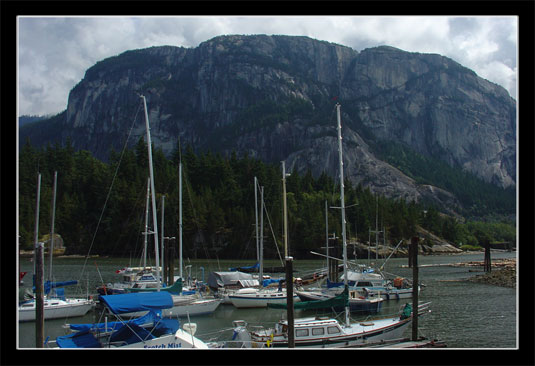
218 206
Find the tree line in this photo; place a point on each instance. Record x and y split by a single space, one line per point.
100 207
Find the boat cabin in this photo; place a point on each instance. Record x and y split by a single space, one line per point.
311 328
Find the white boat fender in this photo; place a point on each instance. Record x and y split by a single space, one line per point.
191 328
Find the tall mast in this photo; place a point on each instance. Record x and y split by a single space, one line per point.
180 217
162 239
327 234
256 220
154 218
342 204
261 269
38 275
51 247
284 208
146 233
376 229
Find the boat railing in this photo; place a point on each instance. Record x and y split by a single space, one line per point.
257 328
423 308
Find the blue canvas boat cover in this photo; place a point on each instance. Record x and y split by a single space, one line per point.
255 266
148 318
131 334
47 286
78 340
138 301
166 326
334 284
269 281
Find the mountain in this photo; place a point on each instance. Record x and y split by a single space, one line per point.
24 120
273 97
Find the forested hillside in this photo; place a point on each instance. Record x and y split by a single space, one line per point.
100 206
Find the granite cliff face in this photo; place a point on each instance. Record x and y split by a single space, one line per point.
273 97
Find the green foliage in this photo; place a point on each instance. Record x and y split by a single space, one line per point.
218 205
467 247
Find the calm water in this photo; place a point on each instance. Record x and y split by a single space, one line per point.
464 314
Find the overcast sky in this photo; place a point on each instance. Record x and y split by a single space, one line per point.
55 52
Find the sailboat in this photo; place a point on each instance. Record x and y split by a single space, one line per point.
329 332
135 277
371 282
56 305
147 332
260 297
183 305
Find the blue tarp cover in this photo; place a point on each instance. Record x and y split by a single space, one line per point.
166 326
148 318
47 286
334 284
78 340
131 333
126 303
269 281
257 265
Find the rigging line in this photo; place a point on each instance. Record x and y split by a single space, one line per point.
273 233
140 217
196 219
109 191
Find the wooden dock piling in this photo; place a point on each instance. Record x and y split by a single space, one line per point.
39 296
290 301
414 262
410 255
487 262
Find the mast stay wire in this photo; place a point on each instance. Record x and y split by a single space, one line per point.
109 191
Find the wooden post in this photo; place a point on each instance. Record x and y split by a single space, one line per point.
487 264
410 255
39 296
290 302
414 246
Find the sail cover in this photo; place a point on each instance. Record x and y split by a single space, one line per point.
246 268
83 339
340 300
148 318
126 303
47 286
222 279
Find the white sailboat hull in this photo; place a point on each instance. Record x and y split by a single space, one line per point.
198 307
182 309
355 334
258 299
56 309
180 339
